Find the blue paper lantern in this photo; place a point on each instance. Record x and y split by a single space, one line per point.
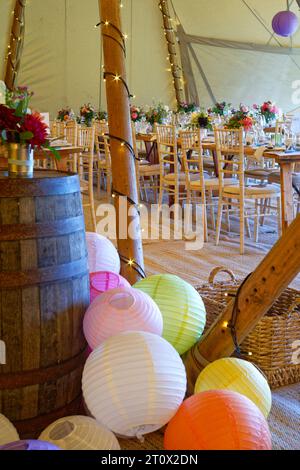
285 23
29 445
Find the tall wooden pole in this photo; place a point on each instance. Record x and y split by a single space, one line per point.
173 51
119 120
14 50
260 290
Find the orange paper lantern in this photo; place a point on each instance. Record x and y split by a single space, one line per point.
218 420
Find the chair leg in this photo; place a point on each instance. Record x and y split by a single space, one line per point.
256 223
279 222
247 224
211 205
108 185
219 220
242 227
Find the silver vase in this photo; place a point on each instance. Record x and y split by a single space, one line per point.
20 160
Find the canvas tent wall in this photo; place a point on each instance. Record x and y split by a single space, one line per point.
62 54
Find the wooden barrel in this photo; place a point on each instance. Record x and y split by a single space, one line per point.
44 292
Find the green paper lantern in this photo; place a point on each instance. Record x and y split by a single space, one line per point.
181 306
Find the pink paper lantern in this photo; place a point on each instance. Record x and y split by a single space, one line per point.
285 23
102 255
29 445
120 310
104 281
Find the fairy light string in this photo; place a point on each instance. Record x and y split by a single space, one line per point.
15 46
117 78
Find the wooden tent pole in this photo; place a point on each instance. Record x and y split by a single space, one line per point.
173 51
14 51
120 132
266 283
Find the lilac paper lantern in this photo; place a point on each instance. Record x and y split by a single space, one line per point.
285 23
120 310
104 281
29 445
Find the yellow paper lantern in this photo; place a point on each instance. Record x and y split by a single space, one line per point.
80 433
181 306
239 376
8 432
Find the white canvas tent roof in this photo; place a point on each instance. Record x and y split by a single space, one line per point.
61 59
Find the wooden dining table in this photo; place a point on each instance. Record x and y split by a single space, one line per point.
285 160
65 153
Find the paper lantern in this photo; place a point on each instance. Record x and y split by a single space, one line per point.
239 376
8 432
121 310
218 420
285 23
29 445
103 281
181 306
102 255
80 433
134 383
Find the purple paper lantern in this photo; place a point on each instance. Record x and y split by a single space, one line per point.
103 281
285 23
29 445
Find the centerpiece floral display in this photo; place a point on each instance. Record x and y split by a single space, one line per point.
201 120
187 107
22 131
220 109
101 116
269 110
87 115
136 113
157 114
65 114
241 118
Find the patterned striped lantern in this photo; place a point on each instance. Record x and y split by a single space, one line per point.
102 254
239 376
134 383
105 280
29 445
181 306
218 420
8 432
80 433
121 310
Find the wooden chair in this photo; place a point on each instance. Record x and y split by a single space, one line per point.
230 151
147 175
86 140
103 161
197 182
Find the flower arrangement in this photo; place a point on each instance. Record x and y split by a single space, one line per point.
269 110
201 119
136 113
186 107
157 114
101 116
221 109
87 114
18 125
241 118
65 114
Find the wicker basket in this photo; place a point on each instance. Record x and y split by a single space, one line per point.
275 342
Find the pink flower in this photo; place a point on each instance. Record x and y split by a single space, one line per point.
274 109
244 109
134 116
255 106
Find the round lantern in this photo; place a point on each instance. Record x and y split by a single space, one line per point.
29 445
239 376
181 306
134 383
80 433
8 432
218 420
285 23
102 255
105 280
121 310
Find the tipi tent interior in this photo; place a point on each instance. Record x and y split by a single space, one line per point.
149 227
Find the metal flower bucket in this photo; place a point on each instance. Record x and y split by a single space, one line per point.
20 160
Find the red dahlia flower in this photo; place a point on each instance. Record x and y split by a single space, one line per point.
8 119
33 123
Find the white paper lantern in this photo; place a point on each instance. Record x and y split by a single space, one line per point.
119 310
102 255
134 383
8 432
80 433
